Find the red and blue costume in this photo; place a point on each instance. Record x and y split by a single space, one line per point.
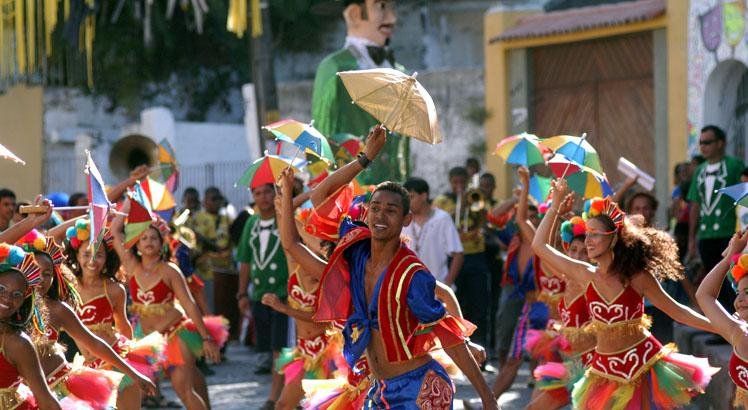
403 309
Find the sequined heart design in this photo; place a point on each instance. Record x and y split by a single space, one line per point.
553 285
565 317
84 312
313 347
605 313
146 297
625 366
305 299
742 375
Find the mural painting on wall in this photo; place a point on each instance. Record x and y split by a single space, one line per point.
716 33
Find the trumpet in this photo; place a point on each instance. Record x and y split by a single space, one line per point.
470 207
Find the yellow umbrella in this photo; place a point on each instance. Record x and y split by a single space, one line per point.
397 100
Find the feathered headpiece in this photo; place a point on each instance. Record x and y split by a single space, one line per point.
604 206
739 269
571 229
81 232
33 242
13 257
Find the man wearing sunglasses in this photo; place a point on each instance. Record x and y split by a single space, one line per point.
712 218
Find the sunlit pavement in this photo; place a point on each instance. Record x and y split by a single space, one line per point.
235 386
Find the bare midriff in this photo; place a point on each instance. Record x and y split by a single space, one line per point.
382 368
160 323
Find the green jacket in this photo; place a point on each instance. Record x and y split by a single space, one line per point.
334 113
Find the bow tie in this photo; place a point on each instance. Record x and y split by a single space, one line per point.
713 173
379 54
266 228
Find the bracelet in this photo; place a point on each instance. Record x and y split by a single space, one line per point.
363 160
208 339
240 296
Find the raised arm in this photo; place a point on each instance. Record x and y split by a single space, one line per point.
290 239
18 230
627 184
706 295
647 285
20 352
129 262
578 271
374 143
63 317
175 280
115 193
526 230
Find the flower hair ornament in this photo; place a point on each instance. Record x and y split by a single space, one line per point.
571 229
81 232
738 270
604 206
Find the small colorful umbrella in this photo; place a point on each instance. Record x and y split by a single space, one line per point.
581 179
160 198
738 192
167 171
7 154
520 149
304 136
265 170
138 221
575 148
396 99
540 186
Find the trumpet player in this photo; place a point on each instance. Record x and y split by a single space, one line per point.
466 208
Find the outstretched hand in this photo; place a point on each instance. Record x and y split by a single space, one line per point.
285 182
375 142
737 243
567 204
41 219
524 177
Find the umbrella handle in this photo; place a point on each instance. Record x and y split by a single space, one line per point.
579 145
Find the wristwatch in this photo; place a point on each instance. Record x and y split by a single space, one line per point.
363 160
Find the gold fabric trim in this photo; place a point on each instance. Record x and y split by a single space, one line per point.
9 398
578 336
620 329
154 309
550 299
741 398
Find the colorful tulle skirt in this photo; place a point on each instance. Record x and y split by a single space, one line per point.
185 331
347 392
80 387
558 378
144 355
17 397
646 375
546 345
313 358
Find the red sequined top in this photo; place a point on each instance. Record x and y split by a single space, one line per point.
96 311
156 294
627 306
298 298
576 315
547 284
8 374
738 371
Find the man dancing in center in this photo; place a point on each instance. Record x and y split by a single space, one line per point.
385 295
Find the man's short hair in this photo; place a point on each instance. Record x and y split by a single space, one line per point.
472 162
458 172
653 202
397 189
75 197
191 190
7 193
489 176
745 172
212 191
417 185
718 132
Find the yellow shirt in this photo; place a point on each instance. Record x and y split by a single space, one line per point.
471 236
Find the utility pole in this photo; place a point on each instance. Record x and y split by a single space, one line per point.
263 74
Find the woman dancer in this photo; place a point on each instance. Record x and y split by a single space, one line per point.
732 328
57 289
555 380
18 360
102 310
155 284
630 369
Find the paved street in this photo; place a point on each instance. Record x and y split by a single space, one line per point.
236 387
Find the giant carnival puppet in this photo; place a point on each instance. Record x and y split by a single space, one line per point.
369 25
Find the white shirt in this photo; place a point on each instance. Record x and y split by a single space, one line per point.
265 234
709 179
434 242
357 46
